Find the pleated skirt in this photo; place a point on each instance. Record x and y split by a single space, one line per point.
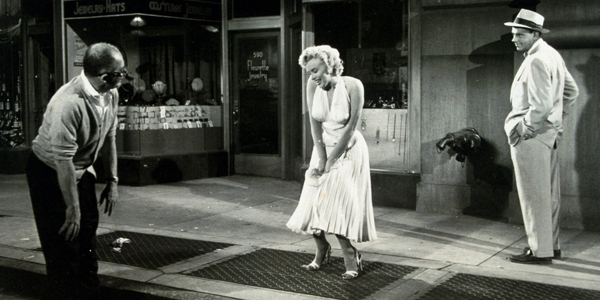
338 202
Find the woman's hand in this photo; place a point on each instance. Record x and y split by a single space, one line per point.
316 173
329 164
321 166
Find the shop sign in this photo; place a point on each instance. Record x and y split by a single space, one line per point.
80 49
257 56
255 71
183 9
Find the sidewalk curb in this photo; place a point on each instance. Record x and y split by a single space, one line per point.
32 274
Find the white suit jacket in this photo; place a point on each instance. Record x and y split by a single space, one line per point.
542 92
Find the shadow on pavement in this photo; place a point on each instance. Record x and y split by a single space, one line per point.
20 284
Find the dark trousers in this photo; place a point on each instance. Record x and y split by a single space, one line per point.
71 266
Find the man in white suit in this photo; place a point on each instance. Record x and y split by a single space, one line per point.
542 92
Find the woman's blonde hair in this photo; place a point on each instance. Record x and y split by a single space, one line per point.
328 55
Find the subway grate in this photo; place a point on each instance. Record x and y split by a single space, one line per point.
472 287
280 270
151 251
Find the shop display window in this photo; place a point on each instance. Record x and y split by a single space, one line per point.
372 39
170 99
11 125
11 116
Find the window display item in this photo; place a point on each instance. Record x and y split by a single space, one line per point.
139 85
126 93
148 96
157 95
159 87
197 84
172 102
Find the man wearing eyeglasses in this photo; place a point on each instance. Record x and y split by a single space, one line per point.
79 123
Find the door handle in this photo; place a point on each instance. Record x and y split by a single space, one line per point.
236 116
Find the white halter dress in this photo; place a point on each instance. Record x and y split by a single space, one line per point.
339 202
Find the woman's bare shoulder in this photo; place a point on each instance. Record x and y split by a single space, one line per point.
352 82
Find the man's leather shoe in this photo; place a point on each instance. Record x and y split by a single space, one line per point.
528 258
557 253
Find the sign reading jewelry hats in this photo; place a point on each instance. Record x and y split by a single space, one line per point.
530 20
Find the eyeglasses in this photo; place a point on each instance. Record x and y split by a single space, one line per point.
121 73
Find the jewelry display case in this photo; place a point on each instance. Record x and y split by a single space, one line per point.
384 120
386 132
169 130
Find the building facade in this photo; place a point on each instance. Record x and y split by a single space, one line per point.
429 67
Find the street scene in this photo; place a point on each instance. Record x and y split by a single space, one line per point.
225 238
299 149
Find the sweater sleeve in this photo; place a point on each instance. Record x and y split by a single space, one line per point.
112 131
65 118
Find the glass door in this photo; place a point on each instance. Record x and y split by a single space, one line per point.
256 104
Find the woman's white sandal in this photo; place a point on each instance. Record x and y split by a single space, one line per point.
313 266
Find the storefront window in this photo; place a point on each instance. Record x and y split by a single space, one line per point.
163 56
11 125
372 39
170 100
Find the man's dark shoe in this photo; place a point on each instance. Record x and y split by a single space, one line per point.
528 258
557 253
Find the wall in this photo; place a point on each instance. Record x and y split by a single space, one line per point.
574 32
468 63
467 67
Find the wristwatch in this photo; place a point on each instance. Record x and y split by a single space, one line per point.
114 179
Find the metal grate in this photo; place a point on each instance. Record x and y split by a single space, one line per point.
280 270
151 251
471 287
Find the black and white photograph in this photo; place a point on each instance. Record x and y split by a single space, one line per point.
299 149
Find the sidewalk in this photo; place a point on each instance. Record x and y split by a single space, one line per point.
244 218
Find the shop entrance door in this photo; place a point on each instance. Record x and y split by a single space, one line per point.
256 104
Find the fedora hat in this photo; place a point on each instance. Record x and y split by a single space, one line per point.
530 20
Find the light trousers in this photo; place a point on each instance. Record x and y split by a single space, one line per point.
538 186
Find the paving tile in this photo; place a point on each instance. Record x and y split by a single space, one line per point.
161 211
22 233
443 241
237 224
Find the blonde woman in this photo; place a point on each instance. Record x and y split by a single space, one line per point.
336 196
